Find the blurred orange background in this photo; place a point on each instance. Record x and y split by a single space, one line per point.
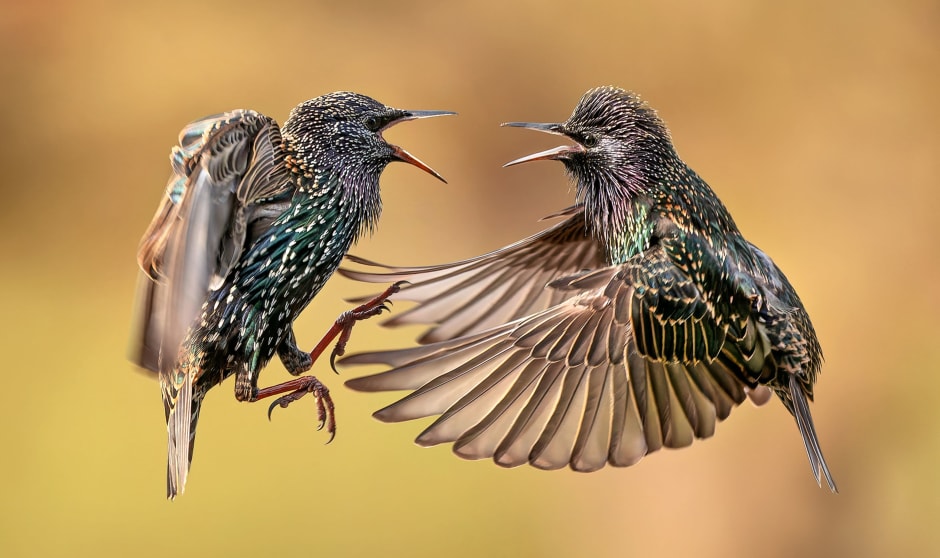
816 122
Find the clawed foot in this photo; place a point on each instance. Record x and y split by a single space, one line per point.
303 385
325 411
364 311
342 327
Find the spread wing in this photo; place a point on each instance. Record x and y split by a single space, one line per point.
228 180
473 295
633 358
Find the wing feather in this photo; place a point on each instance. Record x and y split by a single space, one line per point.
614 371
227 175
472 295
592 446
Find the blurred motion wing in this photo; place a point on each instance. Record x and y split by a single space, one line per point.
474 295
228 181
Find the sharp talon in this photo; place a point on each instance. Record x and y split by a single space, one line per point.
271 408
280 402
332 435
333 356
399 284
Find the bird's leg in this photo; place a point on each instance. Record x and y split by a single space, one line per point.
344 323
295 360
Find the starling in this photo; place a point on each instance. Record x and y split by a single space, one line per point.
255 220
636 323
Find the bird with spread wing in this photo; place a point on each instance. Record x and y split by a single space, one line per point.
637 322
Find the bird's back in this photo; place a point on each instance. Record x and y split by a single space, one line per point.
688 201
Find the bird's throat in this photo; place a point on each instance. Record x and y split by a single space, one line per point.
617 218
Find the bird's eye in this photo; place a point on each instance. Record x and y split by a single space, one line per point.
372 123
589 140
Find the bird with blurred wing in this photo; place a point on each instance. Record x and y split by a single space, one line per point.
255 219
637 322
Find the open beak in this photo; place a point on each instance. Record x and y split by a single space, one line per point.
402 155
554 154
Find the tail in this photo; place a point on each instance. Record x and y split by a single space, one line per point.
182 412
804 420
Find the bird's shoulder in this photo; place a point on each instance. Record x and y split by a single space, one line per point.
225 165
657 301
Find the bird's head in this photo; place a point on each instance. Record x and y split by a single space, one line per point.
619 149
342 131
340 134
615 135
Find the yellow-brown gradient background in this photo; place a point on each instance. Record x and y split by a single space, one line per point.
816 122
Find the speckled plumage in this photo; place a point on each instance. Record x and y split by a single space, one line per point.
255 221
638 322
